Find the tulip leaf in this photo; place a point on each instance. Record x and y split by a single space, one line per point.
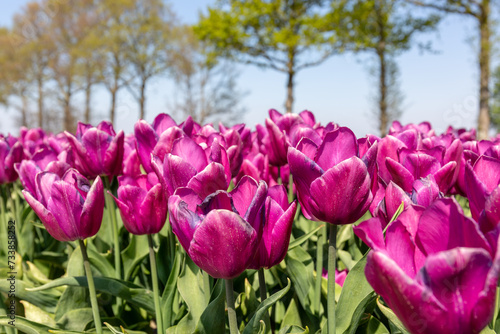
356 295
299 241
294 330
134 294
28 326
374 326
213 320
33 313
487 330
292 316
254 325
134 254
392 317
45 301
167 300
300 268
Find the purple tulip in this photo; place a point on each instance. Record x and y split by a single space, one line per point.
131 163
221 233
277 228
11 152
333 183
434 269
189 165
98 150
142 204
69 207
483 191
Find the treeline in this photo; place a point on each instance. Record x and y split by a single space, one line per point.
57 49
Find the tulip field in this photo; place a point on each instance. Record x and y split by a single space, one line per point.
291 227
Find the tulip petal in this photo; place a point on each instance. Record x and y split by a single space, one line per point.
47 218
399 174
443 226
486 169
209 180
370 231
412 302
342 192
337 146
183 220
65 204
445 176
146 139
93 208
223 244
176 172
187 149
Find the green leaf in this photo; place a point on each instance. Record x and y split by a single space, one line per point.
299 241
134 254
45 301
356 295
392 317
36 314
190 285
76 319
374 326
167 300
292 317
255 323
294 330
132 293
29 327
300 268
487 330
213 318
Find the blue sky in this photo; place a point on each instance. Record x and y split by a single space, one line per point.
439 87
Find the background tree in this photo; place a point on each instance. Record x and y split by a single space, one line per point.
149 32
206 86
480 11
495 105
385 29
284 35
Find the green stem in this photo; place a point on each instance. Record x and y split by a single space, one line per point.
4 222
231 312
280 181
114 226
206 287
332 261
319 268
290 188
90 282
156 290
263 296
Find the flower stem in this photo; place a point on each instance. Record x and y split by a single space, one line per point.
156 290
263 296
290 188
114 226
319 268
231 312
206 287
90 282
332 261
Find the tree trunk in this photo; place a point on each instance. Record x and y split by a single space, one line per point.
24 110
40 100
88 94
383 117
113 105
289 86
68 118
483 122
142 99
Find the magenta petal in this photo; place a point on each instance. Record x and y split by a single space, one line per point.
445 176
425 191
337 146
400 175
93 209
176 172
388 147
113 156
66 206
492 211
153 210
27 171
146 140
476 192
279 194
162 122
401 248
209 180
308 117
96 143
443 226
187 149
248 197
223 244
47 218
394 196
486 169
44 182
301 130
342 192
370 231
166 141
183 220
412 302
457 277
307 147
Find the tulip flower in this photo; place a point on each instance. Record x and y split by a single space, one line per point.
11 152
332 182
277 228
142 203
221 233
434 269
483 191
68 206
98 150
189 165
71 209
